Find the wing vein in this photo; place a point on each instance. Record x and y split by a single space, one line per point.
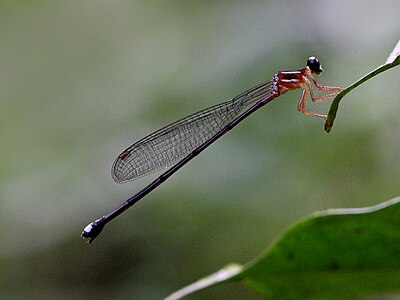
173 142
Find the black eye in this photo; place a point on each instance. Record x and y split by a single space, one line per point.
314 65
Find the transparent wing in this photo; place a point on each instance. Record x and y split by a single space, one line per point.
175 141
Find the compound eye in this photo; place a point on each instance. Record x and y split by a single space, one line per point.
314 65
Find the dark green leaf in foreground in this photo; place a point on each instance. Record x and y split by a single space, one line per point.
344 253
335 254
392 61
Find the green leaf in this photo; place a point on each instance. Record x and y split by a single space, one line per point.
392 61
220 276
334 254
395 54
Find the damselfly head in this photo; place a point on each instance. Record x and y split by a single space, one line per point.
314 65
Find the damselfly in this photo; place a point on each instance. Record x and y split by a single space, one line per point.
182 140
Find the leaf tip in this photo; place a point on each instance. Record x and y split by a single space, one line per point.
394 55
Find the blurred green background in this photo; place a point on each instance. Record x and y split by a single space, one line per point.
82 80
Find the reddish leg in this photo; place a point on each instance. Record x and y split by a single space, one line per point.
323 88
302 105
327 87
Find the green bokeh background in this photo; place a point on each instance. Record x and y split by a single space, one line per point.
82 80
